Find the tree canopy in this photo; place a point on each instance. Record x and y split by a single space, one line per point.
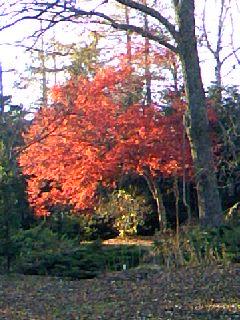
89 137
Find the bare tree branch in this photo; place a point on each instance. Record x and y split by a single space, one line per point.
205 34
234 52
139 30
218 48
57 13
153 13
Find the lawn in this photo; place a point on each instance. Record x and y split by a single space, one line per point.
206 292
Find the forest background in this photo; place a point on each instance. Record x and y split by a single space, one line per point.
112 149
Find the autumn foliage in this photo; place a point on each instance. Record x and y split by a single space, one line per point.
90 136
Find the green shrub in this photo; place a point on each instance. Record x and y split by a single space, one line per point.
117 256
230 237
197 245
43 253
84 227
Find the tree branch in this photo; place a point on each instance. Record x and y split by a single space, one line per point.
153 13
139 30
74 13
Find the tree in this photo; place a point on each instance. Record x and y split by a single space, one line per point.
85 60
13 203
181 39
198 129
90 138
226 147
225 53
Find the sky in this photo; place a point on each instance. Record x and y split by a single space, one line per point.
14 57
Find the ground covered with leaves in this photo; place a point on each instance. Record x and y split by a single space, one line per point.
209 292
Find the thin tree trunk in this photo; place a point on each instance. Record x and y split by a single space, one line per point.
8 257
157 196
184 189
1 91
129 50
210 211
129 40
161 210
176 194
147 62
43 71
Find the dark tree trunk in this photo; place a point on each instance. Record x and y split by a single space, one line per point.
157 196
198 130
210 211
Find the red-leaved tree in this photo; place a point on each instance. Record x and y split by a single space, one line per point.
89 136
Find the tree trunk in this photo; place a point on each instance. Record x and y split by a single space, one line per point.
147 72
198 131
157 196
176 194
160 209
43 71
210 211
129 40
1 92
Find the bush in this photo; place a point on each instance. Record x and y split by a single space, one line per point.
126 211
117 256
230 237
198 246
82 226
42 253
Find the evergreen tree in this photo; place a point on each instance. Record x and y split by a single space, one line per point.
13 205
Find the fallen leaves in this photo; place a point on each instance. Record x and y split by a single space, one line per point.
206 292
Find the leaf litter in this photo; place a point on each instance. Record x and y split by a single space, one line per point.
203 292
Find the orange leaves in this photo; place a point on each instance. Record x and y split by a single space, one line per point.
89 137
157 142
